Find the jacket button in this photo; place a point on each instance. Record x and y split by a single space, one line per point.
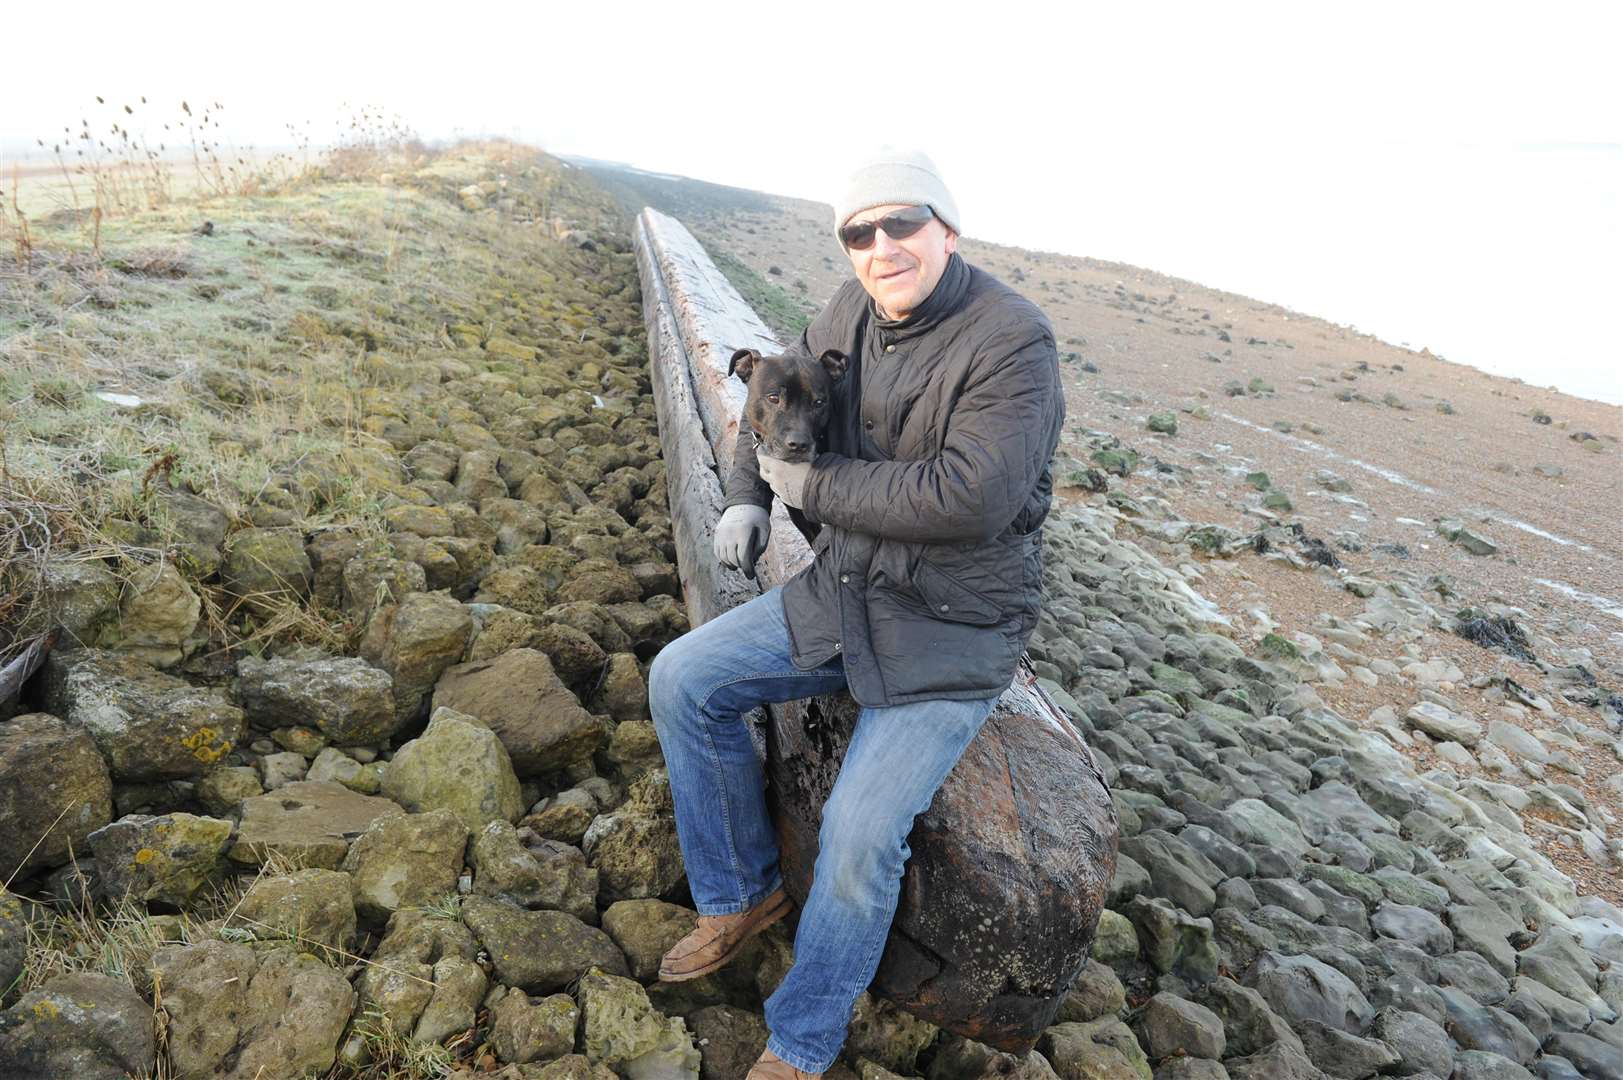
845 578
890 348
943 607
868 424
836 646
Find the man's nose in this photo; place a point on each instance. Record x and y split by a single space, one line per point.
883 245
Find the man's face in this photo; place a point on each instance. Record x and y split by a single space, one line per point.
901 274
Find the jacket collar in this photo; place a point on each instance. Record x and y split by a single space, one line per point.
946 298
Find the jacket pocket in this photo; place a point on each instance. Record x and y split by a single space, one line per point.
951 599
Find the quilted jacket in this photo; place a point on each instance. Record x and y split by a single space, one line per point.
926 500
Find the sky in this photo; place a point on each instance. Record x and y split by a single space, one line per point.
1438 174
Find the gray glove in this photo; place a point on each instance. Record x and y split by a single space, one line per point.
741 536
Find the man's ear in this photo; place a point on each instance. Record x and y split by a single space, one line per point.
743 363
834 362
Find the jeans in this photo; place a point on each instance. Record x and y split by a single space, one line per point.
699 689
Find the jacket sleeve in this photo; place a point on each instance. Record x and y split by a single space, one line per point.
744 483
992 457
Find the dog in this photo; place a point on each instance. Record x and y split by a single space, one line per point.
788 406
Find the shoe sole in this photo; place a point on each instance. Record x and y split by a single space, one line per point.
722 961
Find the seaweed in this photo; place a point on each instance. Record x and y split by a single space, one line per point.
1493 632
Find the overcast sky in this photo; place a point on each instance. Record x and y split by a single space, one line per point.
1438 174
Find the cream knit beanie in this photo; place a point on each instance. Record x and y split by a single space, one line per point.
896 176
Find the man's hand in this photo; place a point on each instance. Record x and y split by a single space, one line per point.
741 536
788 478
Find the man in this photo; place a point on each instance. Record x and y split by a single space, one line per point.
930 494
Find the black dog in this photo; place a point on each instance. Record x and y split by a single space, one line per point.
787 408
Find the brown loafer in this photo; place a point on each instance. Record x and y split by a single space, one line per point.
717 938
770 1066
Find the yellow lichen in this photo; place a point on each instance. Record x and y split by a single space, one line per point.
145 855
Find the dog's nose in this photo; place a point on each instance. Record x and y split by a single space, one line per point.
797 446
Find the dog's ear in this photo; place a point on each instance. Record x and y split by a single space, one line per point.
834 362
743 363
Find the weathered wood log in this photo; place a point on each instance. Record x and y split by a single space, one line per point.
1010 864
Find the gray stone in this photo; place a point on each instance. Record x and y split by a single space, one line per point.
54 792
1421 1045
1342 1055
1169 1026
1302 988
308 824
540 951
345 698
405 860
83 1025
459 765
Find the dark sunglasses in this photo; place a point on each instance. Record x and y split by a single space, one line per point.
898 225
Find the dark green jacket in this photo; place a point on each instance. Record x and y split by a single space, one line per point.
931 491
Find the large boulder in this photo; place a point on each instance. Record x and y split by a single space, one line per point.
405 860
623 1030
54 792
533 872
1009 869
238 1014
519 697
308 823
84 1024
147 725
457 764
635 848
312 907
415 641
157 614
347 699
162 860
540 951
264 567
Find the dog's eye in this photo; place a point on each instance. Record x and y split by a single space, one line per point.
773 398
821 402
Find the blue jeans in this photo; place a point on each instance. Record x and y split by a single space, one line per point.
699 688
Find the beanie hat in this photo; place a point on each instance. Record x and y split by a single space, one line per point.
904 177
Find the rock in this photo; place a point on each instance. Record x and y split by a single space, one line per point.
645 930
624 693
309 823
622 1030
415 641
1116 942
1164 422
1482 1065
635 848
222 789
81 596
347 699
886 1035
1101 1050
1169 1026
1097 992
1302 988
1482 1027
457 764
147 725
1421 1045
1475 543
157 614
265 568
162 860
1027 787
13 941
634 749
399 982
539 951
459 988
83 1025
405 860
519 697
235 1014
547 874
1414 925
1260 823
1174 941
1441 723
54 792
1589 1055
1278 1061
1342 1055
1190 1069
958 1058
279 770
729 1039
522 1030
313 907
1249 1025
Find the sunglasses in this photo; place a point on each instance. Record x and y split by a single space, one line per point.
898 225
